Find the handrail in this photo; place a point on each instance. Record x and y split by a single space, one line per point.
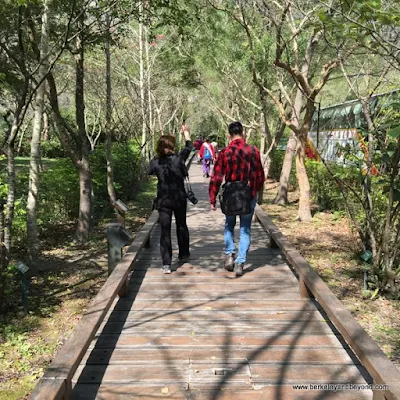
381 369
56 382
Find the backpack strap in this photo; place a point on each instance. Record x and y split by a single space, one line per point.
206 145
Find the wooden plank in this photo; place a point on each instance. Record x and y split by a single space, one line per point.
216 327
197 339
274 374
216 304
237 285
269 355
378 365
235 372
206 392
204 295
199 315
258 276
68 358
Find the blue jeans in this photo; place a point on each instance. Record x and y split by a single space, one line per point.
244 235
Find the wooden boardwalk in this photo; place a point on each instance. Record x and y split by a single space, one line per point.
201 333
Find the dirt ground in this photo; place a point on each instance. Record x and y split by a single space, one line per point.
332 248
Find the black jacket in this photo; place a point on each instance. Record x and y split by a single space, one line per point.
171 172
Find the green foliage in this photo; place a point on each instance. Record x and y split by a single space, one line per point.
276 168
324 189
126 162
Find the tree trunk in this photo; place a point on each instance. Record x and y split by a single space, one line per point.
267 157
34 168
85 177
304 213
142 90
45 131
150 127
3 257
21 139
282 195
11 193
85 202
110 170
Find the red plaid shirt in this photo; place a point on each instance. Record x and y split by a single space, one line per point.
233 165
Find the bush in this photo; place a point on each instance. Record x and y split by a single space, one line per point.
59 187
323 188
276 168
126 163
52 149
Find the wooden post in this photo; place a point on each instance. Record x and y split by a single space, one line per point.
272 243
304 290
68 390
124 288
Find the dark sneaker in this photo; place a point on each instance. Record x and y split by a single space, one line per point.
229 261
238 269
184 259
166 269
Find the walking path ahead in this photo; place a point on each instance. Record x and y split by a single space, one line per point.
201 333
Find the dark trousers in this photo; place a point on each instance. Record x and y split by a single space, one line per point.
182 231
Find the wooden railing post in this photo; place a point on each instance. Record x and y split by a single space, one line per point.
272 243
68 390
304 291
124 288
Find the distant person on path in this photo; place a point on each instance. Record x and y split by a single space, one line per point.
197 145
214 144
170 170
237 162
207 154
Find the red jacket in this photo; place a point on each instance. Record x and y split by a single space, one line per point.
233 165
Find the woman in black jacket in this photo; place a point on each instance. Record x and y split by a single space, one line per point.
170 170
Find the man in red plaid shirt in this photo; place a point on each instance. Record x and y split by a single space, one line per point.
233 165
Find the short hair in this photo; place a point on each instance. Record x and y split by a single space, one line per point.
235 128
165 145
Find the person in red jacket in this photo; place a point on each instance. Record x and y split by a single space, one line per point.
207 154
237 162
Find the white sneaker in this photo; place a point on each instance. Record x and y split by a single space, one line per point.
166 269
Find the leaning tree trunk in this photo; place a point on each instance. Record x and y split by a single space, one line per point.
267 157
282 195
304 212
34 167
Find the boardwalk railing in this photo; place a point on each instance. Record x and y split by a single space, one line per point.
381 369
56 382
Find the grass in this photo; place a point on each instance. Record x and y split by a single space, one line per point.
70 277
331 246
